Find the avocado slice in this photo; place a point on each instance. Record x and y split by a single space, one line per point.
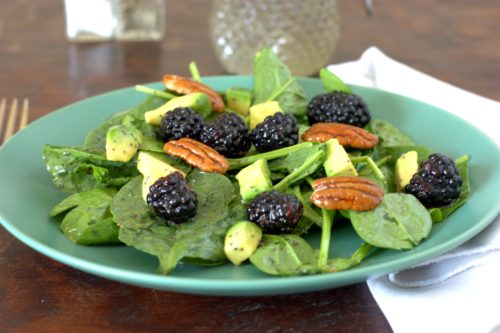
198 101
152 167
337 161
122 142
406 167
239 100
259 112
254 179
241 241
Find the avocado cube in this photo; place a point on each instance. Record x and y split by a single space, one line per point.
152 167
406 167
337 161
122 142
259 112
254 179
241 241
239 100
198 101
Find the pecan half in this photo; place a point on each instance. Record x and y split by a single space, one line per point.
184 85
197 154
348 135
346 193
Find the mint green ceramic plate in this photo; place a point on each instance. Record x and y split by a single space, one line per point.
27 195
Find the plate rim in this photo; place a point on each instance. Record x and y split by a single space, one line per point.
272 285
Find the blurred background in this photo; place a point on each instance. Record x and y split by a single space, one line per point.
439 37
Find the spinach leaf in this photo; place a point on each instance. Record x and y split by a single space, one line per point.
388 184
203 236
439 214
156 240
95 142
389 135
399 222
200 240
74 170
395 152
139 226
284 255
129 209
89 220
332 82
151 144
274 81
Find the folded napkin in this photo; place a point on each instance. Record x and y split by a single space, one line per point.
458 291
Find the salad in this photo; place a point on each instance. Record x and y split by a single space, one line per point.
241 176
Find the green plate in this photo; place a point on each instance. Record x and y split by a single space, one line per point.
28 194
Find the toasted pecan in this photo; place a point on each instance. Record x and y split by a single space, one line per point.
348 135
184 85
346 193
197 154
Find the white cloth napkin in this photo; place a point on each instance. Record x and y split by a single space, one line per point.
458 291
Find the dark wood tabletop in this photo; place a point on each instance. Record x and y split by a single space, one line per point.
456 41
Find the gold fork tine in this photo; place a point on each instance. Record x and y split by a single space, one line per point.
2 112
24 114
9 129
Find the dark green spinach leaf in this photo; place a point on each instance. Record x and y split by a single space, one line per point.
89 220
332 82
200 240
203 236
389 135
274 81
285 255
395 152
75 170
399 222
139 226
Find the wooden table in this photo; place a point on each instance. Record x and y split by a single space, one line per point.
455 41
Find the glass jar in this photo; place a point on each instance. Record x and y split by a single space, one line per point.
122 20
304 34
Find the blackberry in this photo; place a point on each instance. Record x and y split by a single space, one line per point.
228 134
277 131
338 107
437 182
180 122
275 212
172 198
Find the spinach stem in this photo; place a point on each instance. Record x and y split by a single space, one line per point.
378 162
195 74
278 91
309 212
326 231
462 159
300 172
361 253
235 163
154 92
371 164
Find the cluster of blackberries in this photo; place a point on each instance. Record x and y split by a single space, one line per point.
228 134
